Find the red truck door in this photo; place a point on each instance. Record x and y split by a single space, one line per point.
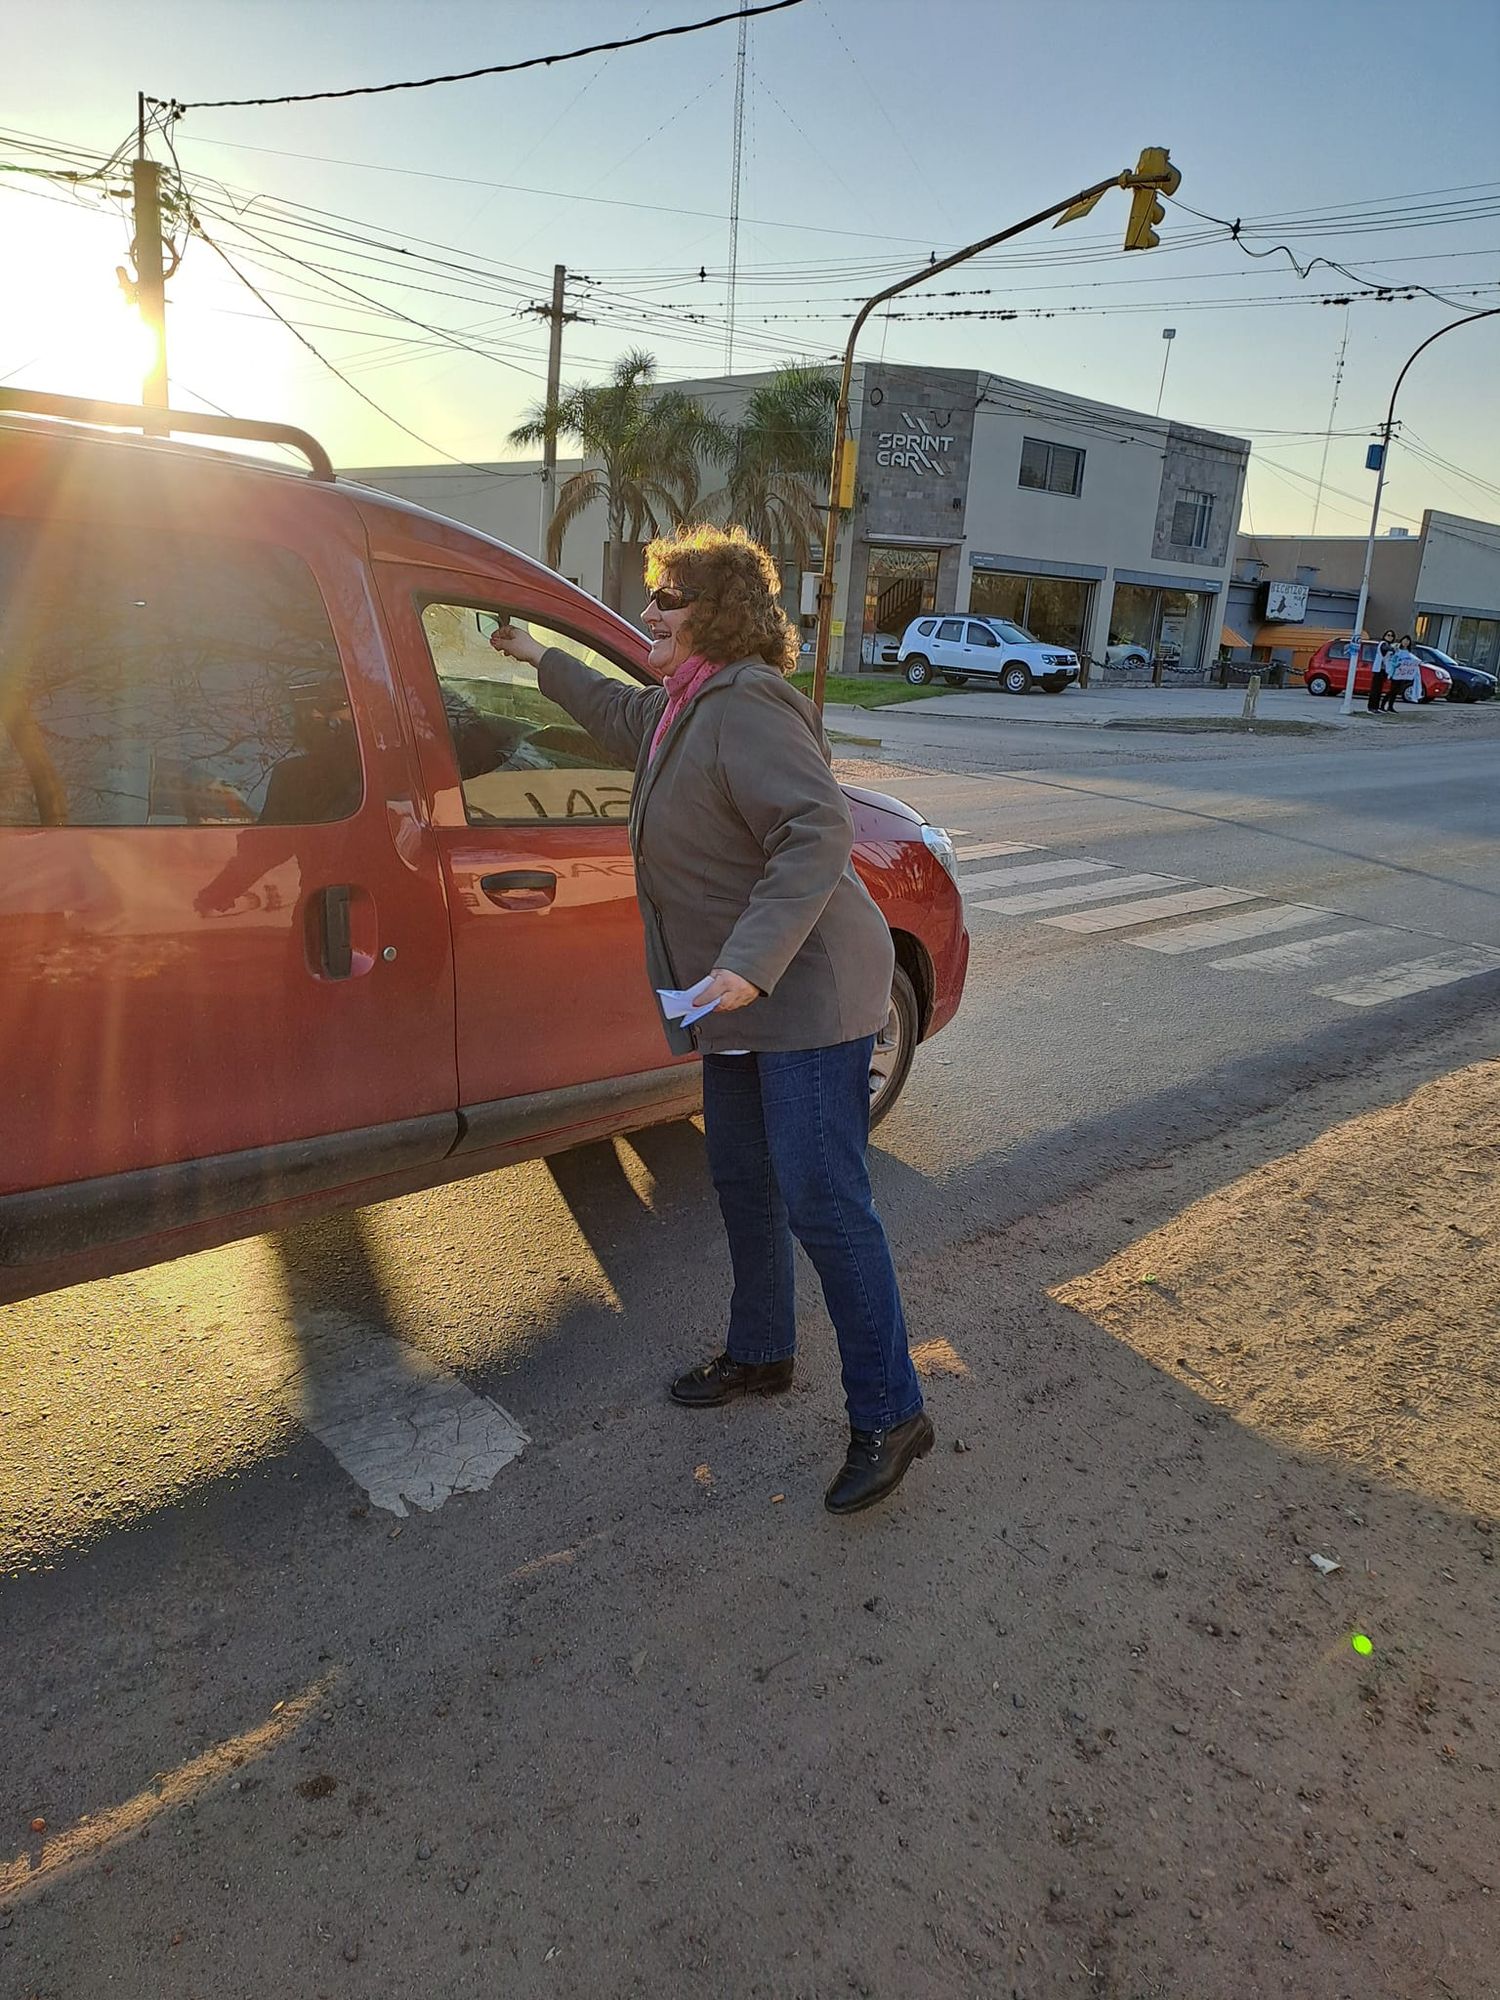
222 923
530 819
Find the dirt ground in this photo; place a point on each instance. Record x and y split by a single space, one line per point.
1076 1714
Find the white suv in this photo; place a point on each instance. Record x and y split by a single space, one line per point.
963 649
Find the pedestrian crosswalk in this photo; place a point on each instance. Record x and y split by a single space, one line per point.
1092 898
1124 916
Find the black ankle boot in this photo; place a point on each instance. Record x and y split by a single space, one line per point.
723 1379
876 1464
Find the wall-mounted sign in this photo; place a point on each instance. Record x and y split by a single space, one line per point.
919 447
1286 603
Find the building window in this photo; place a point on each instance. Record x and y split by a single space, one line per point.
900 585
1192 518
1055 608
1474 642
1051 468
1164 627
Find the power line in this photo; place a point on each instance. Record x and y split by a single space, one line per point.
554 194
394 311
354 388
176 109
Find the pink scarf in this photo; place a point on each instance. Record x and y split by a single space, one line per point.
681 687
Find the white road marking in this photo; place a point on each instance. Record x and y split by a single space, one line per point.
1074 892
403 1428
1413 975
986 850
1122 915
1032 871
1229 930
1300 953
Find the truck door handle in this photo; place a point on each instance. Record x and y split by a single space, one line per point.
336 950
521 888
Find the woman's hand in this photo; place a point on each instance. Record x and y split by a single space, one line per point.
728 989
517 645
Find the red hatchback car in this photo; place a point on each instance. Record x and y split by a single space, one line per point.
308 898
1328 669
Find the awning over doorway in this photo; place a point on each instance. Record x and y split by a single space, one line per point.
1299 638
1229 637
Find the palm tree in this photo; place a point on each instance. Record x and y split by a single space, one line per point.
776 462
643 448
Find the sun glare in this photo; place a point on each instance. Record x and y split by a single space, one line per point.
73 331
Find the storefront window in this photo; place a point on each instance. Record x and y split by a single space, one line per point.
1058 611
996 594
1474 641
1168 626
1132 618
900 584
1429 629
1055 608
1183 617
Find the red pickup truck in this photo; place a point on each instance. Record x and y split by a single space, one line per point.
308 898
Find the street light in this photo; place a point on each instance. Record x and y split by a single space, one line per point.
1384 448
1168 334
1151 176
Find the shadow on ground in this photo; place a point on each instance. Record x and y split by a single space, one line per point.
1075 1713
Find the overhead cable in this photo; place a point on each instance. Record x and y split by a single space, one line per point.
176 108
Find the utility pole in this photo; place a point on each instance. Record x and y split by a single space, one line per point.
1333 408
556 318
150 281
734 190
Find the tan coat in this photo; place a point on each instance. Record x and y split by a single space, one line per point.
742 842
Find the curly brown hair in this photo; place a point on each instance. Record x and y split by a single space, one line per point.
737 612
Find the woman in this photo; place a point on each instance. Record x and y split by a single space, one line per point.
742 842
1379 672
1402 669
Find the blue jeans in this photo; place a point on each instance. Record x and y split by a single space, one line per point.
787 1134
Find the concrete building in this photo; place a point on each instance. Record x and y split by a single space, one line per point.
1095 527
1291 593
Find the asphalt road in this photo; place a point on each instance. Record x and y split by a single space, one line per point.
202 1605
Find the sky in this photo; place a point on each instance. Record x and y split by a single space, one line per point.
875 134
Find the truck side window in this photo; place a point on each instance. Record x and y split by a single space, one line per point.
167 680
521 758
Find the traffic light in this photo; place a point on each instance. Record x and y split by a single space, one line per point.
1154 176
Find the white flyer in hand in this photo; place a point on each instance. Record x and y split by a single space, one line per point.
680 1004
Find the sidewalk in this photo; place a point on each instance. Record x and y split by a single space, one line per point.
1129 707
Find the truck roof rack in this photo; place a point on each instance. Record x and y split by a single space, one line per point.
136 417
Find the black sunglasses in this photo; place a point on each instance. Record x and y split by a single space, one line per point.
672 600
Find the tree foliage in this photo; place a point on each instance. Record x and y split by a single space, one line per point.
644 448
775 462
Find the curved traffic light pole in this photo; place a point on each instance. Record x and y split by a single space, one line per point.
1356 637
1151 172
